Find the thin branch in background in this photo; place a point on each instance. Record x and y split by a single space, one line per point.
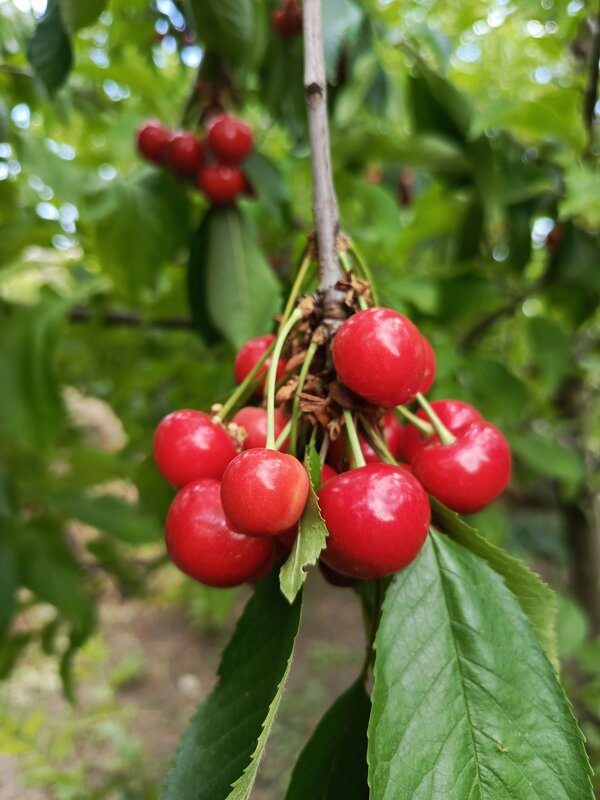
113 318
325 205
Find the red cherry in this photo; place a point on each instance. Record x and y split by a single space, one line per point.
250 354
264 492
152 141
220 183
184 153
430 366
453 413
377 517
254 422
378 353
393 432
470 473
287 538
229 138
335 578
188 445
327 473
202 543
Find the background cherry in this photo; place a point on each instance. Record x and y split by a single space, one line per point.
455 414
229 138
377 517
468 475
202 543
184 153
379 354
220 183
250 354
254 422
327 473
264 492
188 445
152 140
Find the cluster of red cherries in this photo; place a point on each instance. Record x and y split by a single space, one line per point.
213 163
240 502
287 20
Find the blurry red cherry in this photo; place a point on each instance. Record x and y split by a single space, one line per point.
379 354
184 153
470 473
229 138
254 422
220 183
188 445
264 492
454 414
377 517
250 354
202 543
152 140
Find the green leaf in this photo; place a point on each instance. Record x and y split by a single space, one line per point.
333 763
10 652
78 14
268 183
465 703
225 739
550 351
114 516
309 542
138 224
341 22
226 27
9 581
49 49
535 597
234 288
504 394
437 106
547 457
31 406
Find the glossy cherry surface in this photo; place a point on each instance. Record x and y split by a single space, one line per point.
379 354
377 517
393 433
264 492
229 138
202 543
429 366
254 422
453 413
188 445
184 153
152 141
468 475
220 183
250 354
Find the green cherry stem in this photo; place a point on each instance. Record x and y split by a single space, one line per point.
425 428
359 459
303 269
310 354
442 431
283 435
378 441
347 266
295 317
365 270
241 390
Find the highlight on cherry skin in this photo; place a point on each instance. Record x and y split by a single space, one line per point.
202 543
189 445
264 491
379 354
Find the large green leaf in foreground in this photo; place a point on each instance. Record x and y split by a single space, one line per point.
225 739
466 706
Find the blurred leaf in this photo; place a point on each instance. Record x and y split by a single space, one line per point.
230 278
9 581
114 516
535 597
572 627
333 763
437 106
225 739
546 457
138 224
226 27
31 407
269 184
10 652
49 49
341 20
501 392
78 14
550 351
450 610
582 199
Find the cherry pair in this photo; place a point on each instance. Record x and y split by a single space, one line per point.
213 162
